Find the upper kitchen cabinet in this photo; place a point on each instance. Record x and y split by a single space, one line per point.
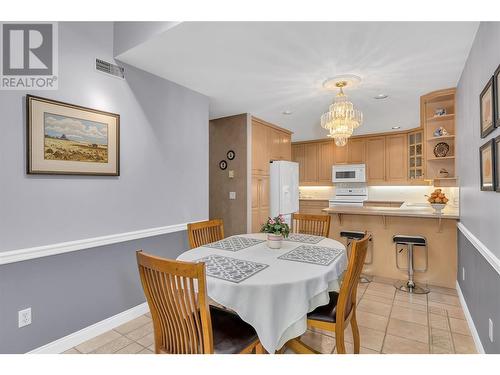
396 164
375 160
341 155
299 156
325 162
311 163
356 151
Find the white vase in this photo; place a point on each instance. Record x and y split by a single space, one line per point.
438 207
274 241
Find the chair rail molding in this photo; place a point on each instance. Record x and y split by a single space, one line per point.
492 259
19 255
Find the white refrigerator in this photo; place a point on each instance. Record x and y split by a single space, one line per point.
284 188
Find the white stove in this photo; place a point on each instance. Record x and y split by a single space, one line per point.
349 195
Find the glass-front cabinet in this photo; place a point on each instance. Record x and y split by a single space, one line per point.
415 156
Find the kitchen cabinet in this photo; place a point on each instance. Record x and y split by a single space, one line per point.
341 154
260 149
326 154
311 163
375 160
298 156
312 207
396 157
356 151
260 201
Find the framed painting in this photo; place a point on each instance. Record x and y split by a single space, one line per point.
487 165
497 163
487 108
68 139
496 87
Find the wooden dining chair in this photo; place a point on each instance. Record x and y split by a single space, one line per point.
341 310
183 322
205 232
317 225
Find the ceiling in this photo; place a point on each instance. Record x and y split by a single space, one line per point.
266 68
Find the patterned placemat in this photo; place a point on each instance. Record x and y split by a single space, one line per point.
305 238
322 256
234 243
230 269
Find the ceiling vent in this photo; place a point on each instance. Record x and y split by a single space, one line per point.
108 68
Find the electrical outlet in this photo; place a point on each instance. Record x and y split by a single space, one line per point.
232 195
24 317
490 329
463 273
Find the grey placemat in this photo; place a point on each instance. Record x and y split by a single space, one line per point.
322 256
230 269
234 243
305 238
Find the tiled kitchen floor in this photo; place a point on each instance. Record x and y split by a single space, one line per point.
389 321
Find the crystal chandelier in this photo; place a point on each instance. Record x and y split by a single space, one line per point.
342 118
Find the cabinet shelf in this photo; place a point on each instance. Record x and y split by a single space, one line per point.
448 137
441 158
447 117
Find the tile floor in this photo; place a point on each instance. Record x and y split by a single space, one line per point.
389 321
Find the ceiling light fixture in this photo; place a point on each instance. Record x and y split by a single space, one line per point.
342 118
381 96
396 127
287 112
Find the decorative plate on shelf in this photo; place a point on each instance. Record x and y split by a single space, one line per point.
441 149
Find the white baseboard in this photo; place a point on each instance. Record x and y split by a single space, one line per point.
470 322
92 331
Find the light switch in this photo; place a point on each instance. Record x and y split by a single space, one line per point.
231 173
232 195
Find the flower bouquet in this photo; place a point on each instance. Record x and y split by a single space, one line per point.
276 229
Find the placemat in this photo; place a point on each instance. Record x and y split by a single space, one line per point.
322 256
230 269
234 243
306 238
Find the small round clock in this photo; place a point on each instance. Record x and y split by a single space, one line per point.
223 164
231 155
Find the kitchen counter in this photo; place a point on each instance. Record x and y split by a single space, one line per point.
314 199
406 210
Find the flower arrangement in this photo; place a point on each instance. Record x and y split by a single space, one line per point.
437 197
277 226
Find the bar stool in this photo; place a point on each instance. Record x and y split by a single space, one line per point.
351 235
410 286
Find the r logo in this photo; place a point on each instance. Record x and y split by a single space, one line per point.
27 49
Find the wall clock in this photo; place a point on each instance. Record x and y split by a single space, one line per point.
231 155
223 164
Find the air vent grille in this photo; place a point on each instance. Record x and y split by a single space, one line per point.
108 68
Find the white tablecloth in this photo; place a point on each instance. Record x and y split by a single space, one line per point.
276 300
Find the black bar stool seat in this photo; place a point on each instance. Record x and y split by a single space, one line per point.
410 241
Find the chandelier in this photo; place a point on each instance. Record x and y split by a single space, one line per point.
342 118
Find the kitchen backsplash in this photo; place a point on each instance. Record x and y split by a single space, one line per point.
413 194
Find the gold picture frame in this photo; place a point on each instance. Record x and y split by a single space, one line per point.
68 139
487 108
487 165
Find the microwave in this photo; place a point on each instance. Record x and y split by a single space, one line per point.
349 173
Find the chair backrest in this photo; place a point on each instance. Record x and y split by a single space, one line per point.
317 225
347 296
205 232
177 298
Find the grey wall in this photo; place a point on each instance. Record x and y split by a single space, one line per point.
164 148
164 180
479 210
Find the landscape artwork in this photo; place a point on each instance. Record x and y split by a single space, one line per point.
486 156
487 109
69 138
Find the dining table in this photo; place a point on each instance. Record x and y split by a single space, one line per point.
272 289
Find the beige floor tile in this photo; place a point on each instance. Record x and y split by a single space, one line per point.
319 342
438 350
411 305
113 346
147 340
400 345
369 338
383 280
133 348
373 321
96 342
409 315
322 331
71 351
463 344
349 348
374 307
408 330
133 325
148 315
443 290
411 298
444 298
439 321
459 326
442 339
140 332
388 288
381 292
146 351
378 298
444 309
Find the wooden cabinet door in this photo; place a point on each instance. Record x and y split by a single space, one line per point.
356 151
325 162
341 154
375 160
298 155
273 143
264 199
260 154
285 146
311 163
396 158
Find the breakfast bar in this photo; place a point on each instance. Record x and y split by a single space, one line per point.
384 221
